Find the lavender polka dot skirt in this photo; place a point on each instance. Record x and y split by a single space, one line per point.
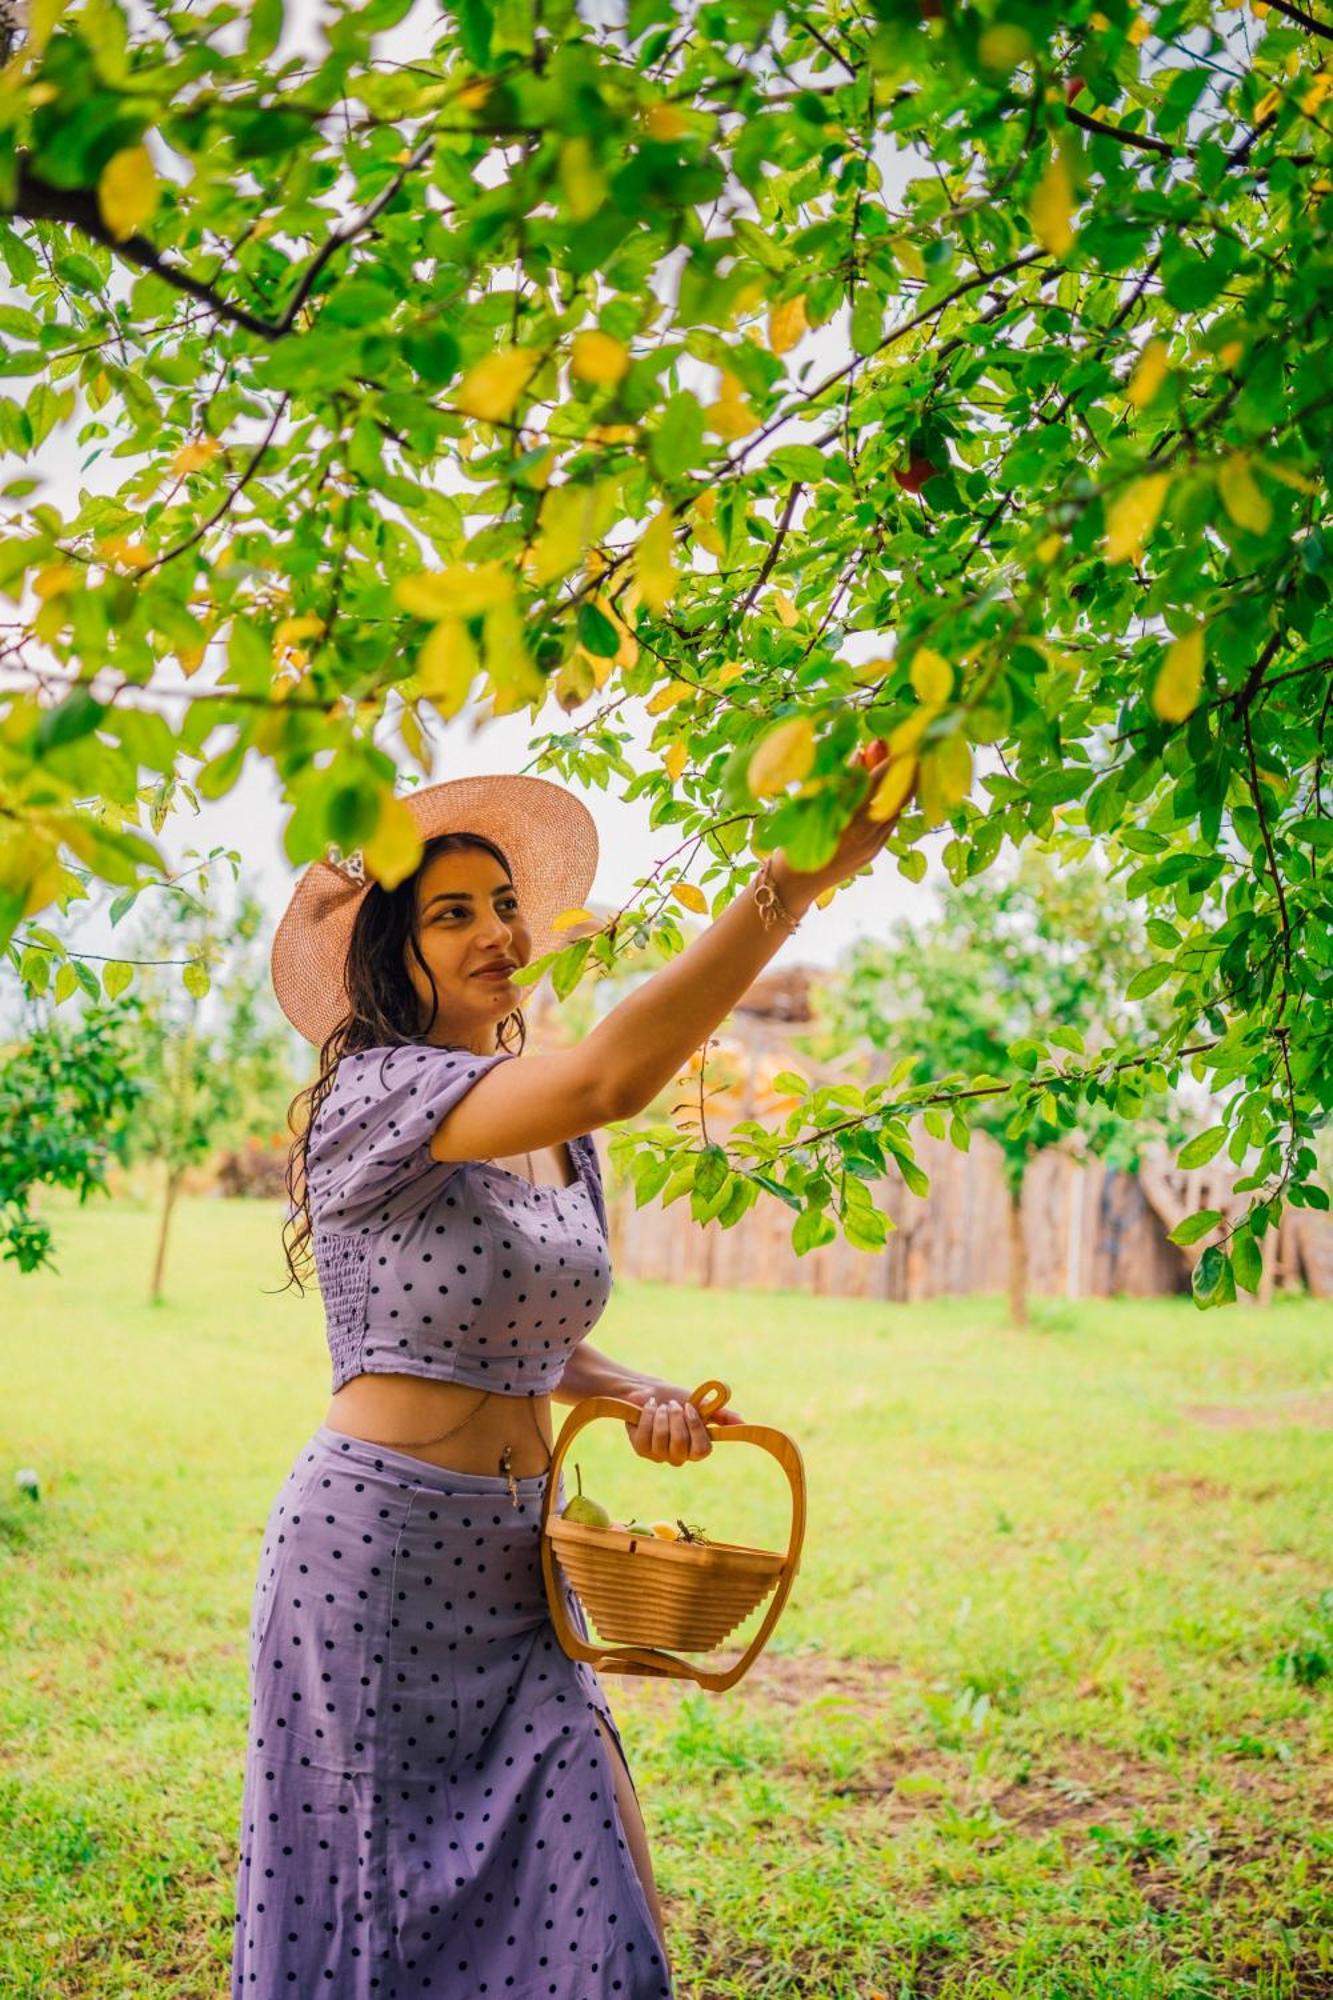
428 1806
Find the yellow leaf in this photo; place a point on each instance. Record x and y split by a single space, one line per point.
1150 371
931 676
460 590
119 548
665 123
409 728
910 731
1175 695
511 672
732 671
1139 32
193 457
674 760
56 579
1247 506
1053 206
446 667
568 918
783 757
1321 88
692 898
1131 516
702 523
595 357
654 566
1267 103
945 777
907 256
493 385
787 325
894 788
670 695
582 181
572 516
573 680
785 609
127 191
1230 352
288 631
1049 547
394 849
731 416
1004 46
475 95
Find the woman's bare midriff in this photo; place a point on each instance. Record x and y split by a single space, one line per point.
382 1408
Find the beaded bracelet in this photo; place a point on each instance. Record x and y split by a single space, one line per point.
772 909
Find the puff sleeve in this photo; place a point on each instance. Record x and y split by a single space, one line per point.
369 1153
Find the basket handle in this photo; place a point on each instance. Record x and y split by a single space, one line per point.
709 1398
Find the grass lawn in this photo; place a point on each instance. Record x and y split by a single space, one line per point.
1045 1718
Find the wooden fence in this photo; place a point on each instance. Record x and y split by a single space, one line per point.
1089 1231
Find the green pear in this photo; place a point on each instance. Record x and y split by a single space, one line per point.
583 1509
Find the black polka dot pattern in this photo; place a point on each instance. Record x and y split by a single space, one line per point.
454 1270
428 1811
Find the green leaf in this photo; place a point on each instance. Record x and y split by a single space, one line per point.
1201 1149
195 979
116 978
1194 1226
597 633
1212 1281
812 1227
1246 1260
1147 981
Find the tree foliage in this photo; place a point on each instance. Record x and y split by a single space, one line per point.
944 372
68 1094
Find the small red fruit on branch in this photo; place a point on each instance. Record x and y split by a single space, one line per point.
1073 85
919 470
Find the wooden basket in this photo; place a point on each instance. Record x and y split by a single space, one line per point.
644 1593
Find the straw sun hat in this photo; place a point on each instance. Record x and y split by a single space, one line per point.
548 835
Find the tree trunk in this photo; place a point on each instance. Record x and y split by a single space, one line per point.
1018 1260
169 1202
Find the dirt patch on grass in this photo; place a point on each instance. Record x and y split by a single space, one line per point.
1309 1410
789 1680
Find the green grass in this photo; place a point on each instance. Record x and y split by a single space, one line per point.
1045 1718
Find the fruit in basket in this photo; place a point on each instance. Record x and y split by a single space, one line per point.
583 1509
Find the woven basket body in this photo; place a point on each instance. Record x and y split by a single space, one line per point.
644 1594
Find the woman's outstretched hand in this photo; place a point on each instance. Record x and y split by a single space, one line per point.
670 1429
863 836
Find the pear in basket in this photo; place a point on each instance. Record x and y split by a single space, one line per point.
583 1508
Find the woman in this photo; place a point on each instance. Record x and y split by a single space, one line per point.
436 1799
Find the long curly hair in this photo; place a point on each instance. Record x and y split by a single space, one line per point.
384 1013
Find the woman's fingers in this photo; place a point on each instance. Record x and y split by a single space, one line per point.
671 1432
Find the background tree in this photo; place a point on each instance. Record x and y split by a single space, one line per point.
68 1093
1010 968
216 1054
944 373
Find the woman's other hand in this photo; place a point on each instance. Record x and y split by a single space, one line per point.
670 1429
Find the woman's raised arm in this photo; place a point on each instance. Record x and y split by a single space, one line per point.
620 1066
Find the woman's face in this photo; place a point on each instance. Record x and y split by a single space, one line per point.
468 917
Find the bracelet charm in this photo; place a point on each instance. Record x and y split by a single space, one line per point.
772 909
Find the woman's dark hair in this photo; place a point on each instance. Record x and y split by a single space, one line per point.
385 1013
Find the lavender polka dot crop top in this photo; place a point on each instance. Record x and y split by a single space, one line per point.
451 1269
